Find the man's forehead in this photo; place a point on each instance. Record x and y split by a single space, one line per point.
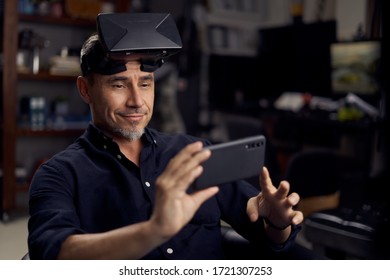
134 65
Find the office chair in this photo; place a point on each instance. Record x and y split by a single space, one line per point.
236 247
337 223
323 177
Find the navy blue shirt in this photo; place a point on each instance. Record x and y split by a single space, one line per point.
91 187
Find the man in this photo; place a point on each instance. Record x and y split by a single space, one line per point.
123 190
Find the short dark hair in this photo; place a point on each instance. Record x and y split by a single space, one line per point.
89 44
91 54
85 49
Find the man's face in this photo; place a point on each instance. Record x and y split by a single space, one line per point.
122 103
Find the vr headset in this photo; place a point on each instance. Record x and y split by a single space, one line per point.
147 37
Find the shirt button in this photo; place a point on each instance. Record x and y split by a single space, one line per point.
119 157
155 142
147 184
170 251
105 147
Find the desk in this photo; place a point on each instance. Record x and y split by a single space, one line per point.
345 232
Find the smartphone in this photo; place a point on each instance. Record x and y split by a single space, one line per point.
231 161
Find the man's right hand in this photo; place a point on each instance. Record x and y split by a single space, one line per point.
174 207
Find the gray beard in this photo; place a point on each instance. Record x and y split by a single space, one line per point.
129 134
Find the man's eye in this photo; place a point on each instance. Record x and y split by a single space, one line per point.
118 86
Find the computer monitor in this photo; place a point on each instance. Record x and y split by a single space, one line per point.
289 58
296 58
356 67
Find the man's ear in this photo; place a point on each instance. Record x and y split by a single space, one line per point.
83 87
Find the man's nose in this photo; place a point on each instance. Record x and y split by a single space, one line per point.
134 98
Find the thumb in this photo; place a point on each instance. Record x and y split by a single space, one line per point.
200 197
252 209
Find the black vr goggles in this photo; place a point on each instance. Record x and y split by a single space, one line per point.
149 37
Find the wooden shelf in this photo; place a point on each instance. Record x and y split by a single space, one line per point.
27 132
22 187
45 76
57 20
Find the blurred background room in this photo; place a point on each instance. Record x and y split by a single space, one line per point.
308 74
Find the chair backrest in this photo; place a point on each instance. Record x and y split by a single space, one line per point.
322 172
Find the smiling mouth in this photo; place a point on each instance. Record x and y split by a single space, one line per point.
133 116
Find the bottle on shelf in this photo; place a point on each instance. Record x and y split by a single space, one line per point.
37 113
